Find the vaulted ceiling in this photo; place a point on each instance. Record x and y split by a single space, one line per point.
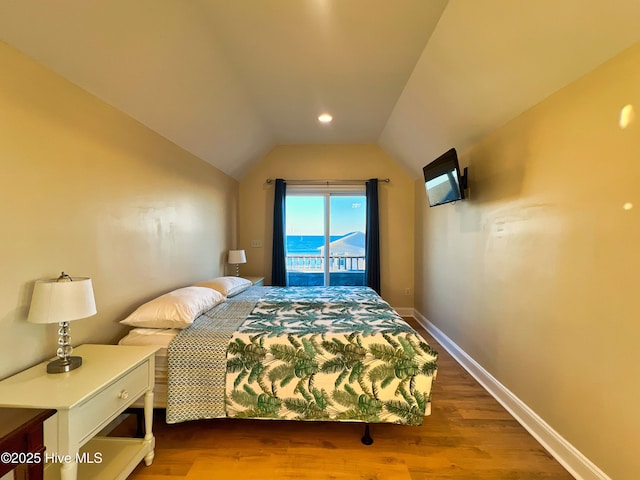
228 80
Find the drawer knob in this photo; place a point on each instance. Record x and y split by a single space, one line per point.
123 395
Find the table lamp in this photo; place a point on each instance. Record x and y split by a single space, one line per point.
61 300
236 257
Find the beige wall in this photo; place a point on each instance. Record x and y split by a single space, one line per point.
329 162
536 276
87 190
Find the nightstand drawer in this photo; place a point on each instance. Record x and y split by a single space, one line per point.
91 416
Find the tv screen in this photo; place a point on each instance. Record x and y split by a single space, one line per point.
442 179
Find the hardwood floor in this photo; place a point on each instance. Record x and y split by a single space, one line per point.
468 436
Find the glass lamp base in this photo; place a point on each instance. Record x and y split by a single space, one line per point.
62 365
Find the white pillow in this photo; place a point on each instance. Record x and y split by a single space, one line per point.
176 309
228 286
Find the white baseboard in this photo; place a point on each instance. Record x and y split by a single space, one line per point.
566 454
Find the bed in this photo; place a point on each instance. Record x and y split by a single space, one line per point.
294 353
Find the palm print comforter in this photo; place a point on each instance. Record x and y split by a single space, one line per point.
328 353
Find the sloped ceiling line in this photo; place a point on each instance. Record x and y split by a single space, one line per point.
227 81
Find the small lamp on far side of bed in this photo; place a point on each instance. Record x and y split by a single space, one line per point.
61 300
236 257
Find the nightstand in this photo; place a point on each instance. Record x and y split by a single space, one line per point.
21 439
87 399
257 281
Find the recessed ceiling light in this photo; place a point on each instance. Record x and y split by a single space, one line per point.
325 118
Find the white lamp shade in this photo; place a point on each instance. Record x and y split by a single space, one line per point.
237 256
56 301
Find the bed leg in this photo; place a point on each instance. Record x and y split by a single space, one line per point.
140 423
139 413
366 438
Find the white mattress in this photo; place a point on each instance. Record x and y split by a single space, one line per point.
160 337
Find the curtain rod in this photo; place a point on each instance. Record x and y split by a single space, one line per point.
328 182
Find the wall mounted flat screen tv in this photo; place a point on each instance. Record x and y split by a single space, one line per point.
443 181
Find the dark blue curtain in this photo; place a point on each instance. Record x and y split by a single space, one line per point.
372 248
278 254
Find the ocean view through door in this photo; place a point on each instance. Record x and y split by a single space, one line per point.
325 238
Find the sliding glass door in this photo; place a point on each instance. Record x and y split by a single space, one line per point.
325 237
306 232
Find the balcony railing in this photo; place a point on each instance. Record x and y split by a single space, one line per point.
308 270
315 263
